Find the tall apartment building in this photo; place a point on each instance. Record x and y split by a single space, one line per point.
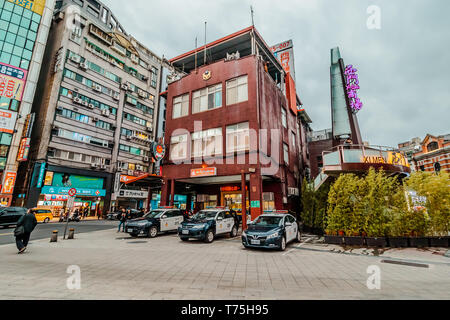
96 112
232 128
24 27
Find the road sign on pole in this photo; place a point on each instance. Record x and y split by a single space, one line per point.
73 192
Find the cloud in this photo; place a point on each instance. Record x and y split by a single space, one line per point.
403 67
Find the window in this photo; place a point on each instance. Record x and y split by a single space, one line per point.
104 15
432 146
268 201
283 117
154 79
286 153
237 90
92 11
207 143
178 147
207 99
293 141
180 106
238 137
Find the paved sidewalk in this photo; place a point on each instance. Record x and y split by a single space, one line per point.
114 266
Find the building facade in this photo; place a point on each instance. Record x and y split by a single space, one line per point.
409 148
232 131
96 112
433 154
24 28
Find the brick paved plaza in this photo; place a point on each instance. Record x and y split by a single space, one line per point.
114 266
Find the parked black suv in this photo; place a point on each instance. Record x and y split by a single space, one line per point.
10 215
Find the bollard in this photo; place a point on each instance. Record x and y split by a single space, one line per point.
54 237
71 233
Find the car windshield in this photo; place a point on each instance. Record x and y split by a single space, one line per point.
201 215
154 214
267 221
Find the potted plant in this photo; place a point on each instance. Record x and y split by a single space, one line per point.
355 239
418 226
398 230
331 237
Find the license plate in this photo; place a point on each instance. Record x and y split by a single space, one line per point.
130 230
185 231
255 241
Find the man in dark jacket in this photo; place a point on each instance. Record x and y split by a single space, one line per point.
122 218
28 222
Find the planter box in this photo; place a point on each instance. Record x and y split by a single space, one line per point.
376 242
419 242
334 240
354 241
439 242
398 242
317 231
306 229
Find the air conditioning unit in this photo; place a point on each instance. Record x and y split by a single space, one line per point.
98 88
58 17
128 137
94 165
134 59
130 172
85 103
103 166
124 86
142 94
77 100
139 168
59 108
106 112
83 66
146 159
90 105
95 119
75 59
150 128
55 127
116 96
145 78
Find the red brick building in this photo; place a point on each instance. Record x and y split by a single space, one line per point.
434 155
232 128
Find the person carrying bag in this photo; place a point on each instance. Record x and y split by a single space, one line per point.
25 226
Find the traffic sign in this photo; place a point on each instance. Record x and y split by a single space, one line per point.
70 202
72 192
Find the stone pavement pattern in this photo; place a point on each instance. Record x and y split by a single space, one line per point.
114 266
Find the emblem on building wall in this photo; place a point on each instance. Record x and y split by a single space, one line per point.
207 75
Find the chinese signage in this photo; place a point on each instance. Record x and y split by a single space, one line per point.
28 126
56 197
8 185
7 121
255 204
36 6
133 194
352 83
284 52
203 172
24 149
80 191
394 158
12 81
41 175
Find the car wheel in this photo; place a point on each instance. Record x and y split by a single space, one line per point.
298 238
283 244
46 220
233 232
184 239
209 237
153 232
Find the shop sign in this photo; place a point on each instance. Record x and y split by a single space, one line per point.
9 182
55 197
352 83
159 151
12 82
48 178
230 189
255 204
24 149
41 175
293 191
37 6
28 126
80 191
393 158
133 194
203 172
7 121
125 179
284 52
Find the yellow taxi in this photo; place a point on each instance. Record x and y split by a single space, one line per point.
43 215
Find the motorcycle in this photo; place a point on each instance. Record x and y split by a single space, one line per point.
74 217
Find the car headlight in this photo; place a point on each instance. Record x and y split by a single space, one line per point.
273 235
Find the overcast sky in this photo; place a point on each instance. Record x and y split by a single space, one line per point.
404 67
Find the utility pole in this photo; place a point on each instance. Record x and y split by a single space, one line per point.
251 12
204 53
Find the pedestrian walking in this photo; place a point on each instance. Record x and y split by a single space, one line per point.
122 219
25 226
85 213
